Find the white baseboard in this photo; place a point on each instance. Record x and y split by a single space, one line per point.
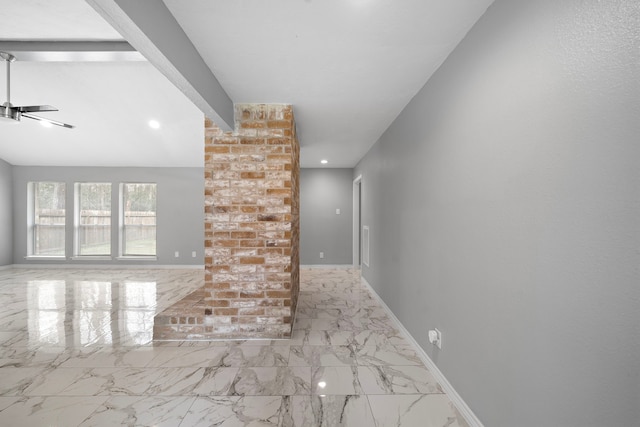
460 404
109 266
329 266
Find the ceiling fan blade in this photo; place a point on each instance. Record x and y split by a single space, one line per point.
36 108
53 122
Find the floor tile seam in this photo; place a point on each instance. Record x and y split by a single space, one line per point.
57 396
102 394
103 366
199 366
344 365
307 394
396 365
387 365
409 394
133 395
266 395
322 366
137 368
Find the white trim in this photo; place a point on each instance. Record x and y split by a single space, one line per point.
328 266
91 258
137 258
75 248
112 266
460 404
356 220
31 196
365 245
121 220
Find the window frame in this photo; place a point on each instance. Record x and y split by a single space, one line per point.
31 222
72 222
121 225
76 223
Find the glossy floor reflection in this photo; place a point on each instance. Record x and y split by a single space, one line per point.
76 350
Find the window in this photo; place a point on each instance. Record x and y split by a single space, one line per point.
93 219
46 219
94 237
138 219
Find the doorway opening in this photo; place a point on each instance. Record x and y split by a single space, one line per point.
357 222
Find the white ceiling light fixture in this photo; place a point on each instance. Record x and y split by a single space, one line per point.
10 112
324 162
154 124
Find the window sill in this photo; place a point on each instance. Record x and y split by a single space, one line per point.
91 258
46 257
137 258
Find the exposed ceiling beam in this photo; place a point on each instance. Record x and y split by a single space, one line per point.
152 30
71 51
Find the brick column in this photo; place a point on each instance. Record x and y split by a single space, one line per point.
252 224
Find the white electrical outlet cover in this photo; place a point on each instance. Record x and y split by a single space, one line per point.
435 338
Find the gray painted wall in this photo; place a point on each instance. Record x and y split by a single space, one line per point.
322 191
504 206
6 214
180 208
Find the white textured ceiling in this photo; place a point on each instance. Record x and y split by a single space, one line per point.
52 20
348 66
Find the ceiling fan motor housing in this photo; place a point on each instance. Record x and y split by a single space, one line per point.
8 113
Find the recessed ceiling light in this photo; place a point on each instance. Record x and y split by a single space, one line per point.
324 162
154 124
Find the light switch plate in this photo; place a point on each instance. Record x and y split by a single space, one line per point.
435 338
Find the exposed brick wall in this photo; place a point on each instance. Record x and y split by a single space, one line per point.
295 221
252 223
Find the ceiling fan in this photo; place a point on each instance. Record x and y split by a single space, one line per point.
9 111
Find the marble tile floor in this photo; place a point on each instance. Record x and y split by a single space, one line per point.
76 349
